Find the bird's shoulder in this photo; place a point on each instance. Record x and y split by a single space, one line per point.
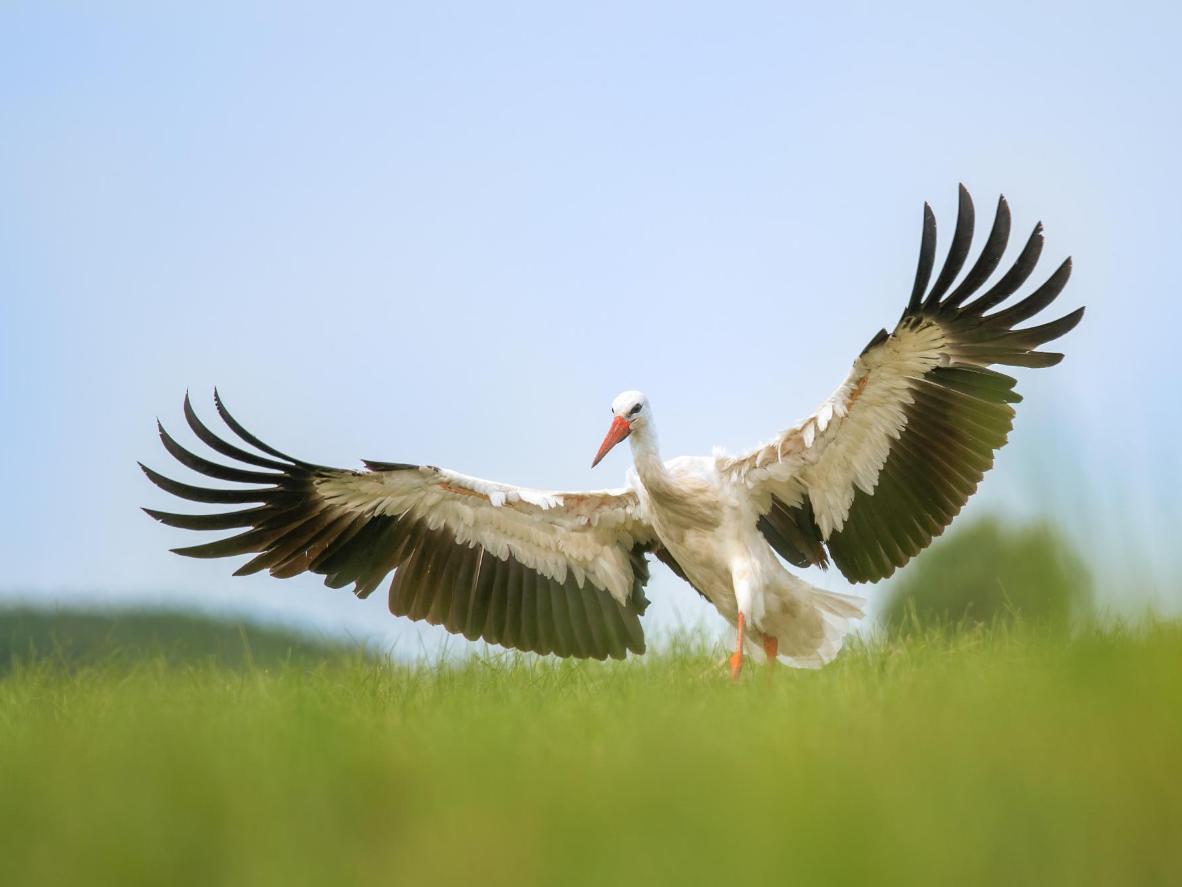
692 468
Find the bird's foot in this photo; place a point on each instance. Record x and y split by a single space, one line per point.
736 659
771 649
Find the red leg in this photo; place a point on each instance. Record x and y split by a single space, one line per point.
771 648
737 656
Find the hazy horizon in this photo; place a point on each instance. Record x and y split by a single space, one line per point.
452 234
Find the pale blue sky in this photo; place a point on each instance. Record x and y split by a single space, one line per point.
451 233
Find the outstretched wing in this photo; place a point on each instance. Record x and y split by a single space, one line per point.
887 462
558 573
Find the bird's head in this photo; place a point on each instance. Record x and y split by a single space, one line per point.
629 411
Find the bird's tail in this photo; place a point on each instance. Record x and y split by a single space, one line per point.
813 638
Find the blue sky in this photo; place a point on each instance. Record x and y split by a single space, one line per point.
452 233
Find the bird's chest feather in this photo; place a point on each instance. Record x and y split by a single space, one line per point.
694 524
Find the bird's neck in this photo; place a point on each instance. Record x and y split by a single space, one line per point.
646 455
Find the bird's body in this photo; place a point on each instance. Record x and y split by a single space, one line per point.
708 525
864 483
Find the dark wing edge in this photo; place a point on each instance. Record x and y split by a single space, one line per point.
291 529
960 412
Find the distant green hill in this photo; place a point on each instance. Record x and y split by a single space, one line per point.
78 637
988 572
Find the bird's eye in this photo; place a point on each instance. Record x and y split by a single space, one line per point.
634 410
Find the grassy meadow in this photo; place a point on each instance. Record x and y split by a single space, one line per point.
1003 755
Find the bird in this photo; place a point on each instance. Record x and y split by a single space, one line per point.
864 483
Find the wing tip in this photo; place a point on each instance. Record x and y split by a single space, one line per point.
1071 319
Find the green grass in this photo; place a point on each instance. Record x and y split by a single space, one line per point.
1003 756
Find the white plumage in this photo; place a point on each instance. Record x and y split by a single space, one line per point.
866 482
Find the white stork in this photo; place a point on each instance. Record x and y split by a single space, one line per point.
865 482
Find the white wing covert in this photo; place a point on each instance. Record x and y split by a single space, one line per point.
547 572
887 462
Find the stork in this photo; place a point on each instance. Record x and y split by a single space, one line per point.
865 483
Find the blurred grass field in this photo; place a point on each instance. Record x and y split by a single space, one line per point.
1002 755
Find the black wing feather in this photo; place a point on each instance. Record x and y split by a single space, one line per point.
960 413
291 529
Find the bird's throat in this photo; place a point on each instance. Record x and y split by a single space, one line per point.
646 455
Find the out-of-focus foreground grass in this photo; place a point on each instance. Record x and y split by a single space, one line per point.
1003 755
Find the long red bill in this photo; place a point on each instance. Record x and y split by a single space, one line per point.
620 429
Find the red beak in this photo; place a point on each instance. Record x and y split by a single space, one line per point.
620 429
